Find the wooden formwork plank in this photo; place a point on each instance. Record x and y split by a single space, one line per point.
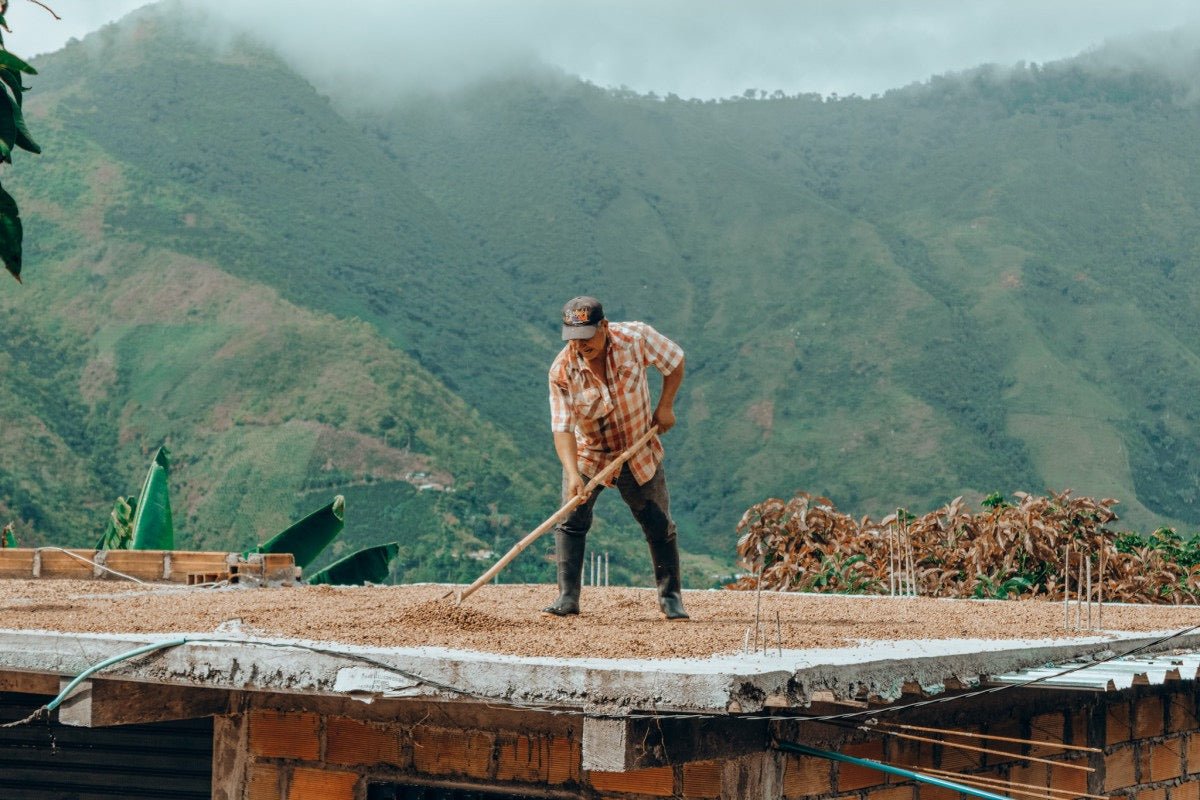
28 682
59 564
16 562
145 565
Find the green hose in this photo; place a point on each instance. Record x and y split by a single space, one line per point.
888 768
81 677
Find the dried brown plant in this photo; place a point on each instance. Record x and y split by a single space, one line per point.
1010 549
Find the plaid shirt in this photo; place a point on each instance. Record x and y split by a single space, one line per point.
608 418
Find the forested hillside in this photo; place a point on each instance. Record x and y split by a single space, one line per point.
986 282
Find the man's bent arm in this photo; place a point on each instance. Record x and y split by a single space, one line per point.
664 413
568 454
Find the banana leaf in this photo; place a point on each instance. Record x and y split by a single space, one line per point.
119 533
307 538
11 230
369 565
152 526
10 539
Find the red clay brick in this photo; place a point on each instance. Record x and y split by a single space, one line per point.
804 776
1078 723
1149 719
1072 780
1119 769
1047 728
318 784
1118 725
1033 774
263 783
927 792
275 734
445 752
891 793
349 741
1152 794
852 776
956 760
702 779
565 758
910 754
523 758
1181 713
1193 753
1189 790
1166 761
658 781
1011 730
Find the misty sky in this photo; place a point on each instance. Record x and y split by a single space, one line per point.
693 48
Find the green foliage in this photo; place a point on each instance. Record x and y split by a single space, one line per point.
369 565
306 538
994 501
152 526
118 534
953 287
843 576
13 134
987 587
1167 542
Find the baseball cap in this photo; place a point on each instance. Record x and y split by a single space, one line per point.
580 317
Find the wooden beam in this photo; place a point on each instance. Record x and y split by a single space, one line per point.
28 682
100 703
622 744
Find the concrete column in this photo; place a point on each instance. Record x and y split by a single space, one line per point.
754 777
231 757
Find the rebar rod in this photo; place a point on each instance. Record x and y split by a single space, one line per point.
1001 783
1066 586
891 770
990 737
1079 595
1089 591
974 749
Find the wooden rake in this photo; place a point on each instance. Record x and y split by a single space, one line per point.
556 517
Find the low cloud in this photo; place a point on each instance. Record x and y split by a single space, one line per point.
692 48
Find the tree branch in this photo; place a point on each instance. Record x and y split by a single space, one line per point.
48 8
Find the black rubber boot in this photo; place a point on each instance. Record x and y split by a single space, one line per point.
666 575
570 551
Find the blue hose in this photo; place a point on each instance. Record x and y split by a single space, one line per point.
888 768
81 677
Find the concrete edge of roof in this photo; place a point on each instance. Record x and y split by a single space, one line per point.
747 684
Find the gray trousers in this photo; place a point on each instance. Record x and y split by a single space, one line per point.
649 502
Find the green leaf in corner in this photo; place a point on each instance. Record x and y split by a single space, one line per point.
8 129
17 134
13 81
11 233
14 63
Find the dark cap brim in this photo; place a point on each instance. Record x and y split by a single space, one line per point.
578 332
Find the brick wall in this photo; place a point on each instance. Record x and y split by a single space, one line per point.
306 756
1149 740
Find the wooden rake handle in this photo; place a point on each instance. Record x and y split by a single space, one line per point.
556 517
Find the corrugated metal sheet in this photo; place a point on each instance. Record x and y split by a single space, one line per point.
1108 676
49 761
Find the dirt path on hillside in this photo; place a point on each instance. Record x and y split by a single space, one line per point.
616 623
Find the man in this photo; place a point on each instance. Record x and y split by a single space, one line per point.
599 406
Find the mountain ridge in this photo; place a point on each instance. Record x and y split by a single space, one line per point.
978 284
